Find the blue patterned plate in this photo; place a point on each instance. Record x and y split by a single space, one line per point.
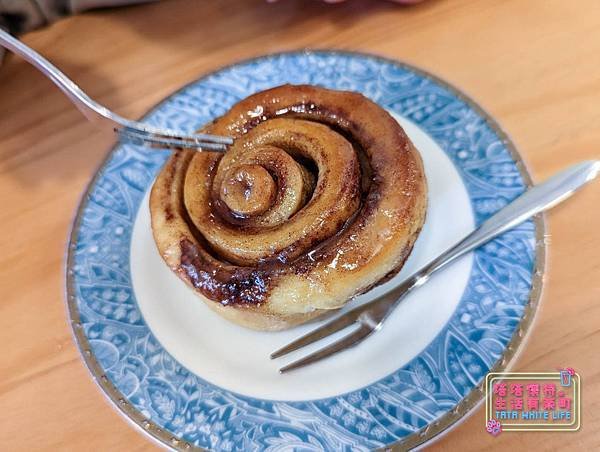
191 379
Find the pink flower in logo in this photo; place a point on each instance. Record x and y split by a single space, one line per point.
493 427
570 370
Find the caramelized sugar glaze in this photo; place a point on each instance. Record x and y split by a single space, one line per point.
320 197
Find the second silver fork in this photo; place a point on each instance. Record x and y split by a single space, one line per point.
132 131
367 318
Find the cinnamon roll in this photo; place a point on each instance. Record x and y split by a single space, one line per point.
321 197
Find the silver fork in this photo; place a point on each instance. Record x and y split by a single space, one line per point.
369 317
131 131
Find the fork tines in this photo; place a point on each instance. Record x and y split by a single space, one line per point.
171 139
341 322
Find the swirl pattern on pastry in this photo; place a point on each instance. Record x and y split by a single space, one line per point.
320 197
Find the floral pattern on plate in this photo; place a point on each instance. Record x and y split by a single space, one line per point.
183 409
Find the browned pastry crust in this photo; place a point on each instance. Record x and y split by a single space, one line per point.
320 198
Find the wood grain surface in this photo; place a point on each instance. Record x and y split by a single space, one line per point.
534 65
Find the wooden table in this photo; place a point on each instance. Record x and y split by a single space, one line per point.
535 65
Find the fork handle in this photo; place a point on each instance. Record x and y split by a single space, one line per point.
535 200
89 107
